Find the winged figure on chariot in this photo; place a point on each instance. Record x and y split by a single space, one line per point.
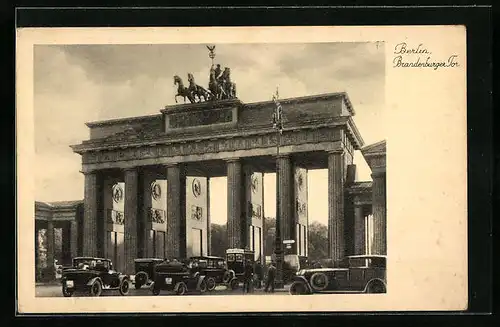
220 86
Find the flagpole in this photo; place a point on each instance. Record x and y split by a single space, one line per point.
278 249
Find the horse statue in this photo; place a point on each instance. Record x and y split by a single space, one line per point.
214 86
228 86
196 90
182 91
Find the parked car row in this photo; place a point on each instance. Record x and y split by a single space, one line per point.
361 274
198 274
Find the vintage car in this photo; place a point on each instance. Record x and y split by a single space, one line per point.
144 271
93 276
362 274
236 260
177 277
213 268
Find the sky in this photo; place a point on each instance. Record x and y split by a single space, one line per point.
75 84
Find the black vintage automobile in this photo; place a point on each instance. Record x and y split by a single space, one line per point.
236 260
356 274
93 276
177 277
213 268
144 271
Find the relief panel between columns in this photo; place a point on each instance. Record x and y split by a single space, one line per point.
197 216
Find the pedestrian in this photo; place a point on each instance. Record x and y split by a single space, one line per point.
271 275
258 273
247 277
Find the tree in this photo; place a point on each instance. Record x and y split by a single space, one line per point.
218 241
318 241
269 235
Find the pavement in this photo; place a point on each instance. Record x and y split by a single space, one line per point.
54 289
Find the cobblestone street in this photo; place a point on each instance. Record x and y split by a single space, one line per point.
54 290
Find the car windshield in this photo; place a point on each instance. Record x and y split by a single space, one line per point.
230 257
239 257
80 263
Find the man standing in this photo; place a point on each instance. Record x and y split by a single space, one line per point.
271 275
248 277
258 273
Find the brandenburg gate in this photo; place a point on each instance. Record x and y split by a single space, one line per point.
147 178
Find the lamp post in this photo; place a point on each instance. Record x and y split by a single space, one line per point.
278 249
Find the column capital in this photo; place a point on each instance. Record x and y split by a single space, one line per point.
237 159
283 156
89 172
172 165
378 173
336 151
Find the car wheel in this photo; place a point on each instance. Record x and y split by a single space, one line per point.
211 284
227 277
96 288
124 287
319 281
203 286
298 288
376 287
181 289
234 284
66 292
155 290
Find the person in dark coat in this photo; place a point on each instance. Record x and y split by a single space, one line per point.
271 275
259 271
248 277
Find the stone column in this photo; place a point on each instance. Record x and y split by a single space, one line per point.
37 253
286 181
66 243
176 212
379 214
359 230
131 209
90 225
50 271
234 206
74 238
209 229
336 250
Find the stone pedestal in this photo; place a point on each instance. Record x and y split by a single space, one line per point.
379 214
176 212
90 225
336 249
285 180
131 214
359 230
235 224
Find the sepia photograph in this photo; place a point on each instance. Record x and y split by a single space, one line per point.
235 172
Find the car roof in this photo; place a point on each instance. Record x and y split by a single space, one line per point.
91 258
367 256
207 257
326 269
148 259
229 251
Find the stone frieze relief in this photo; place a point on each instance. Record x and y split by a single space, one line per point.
212 146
